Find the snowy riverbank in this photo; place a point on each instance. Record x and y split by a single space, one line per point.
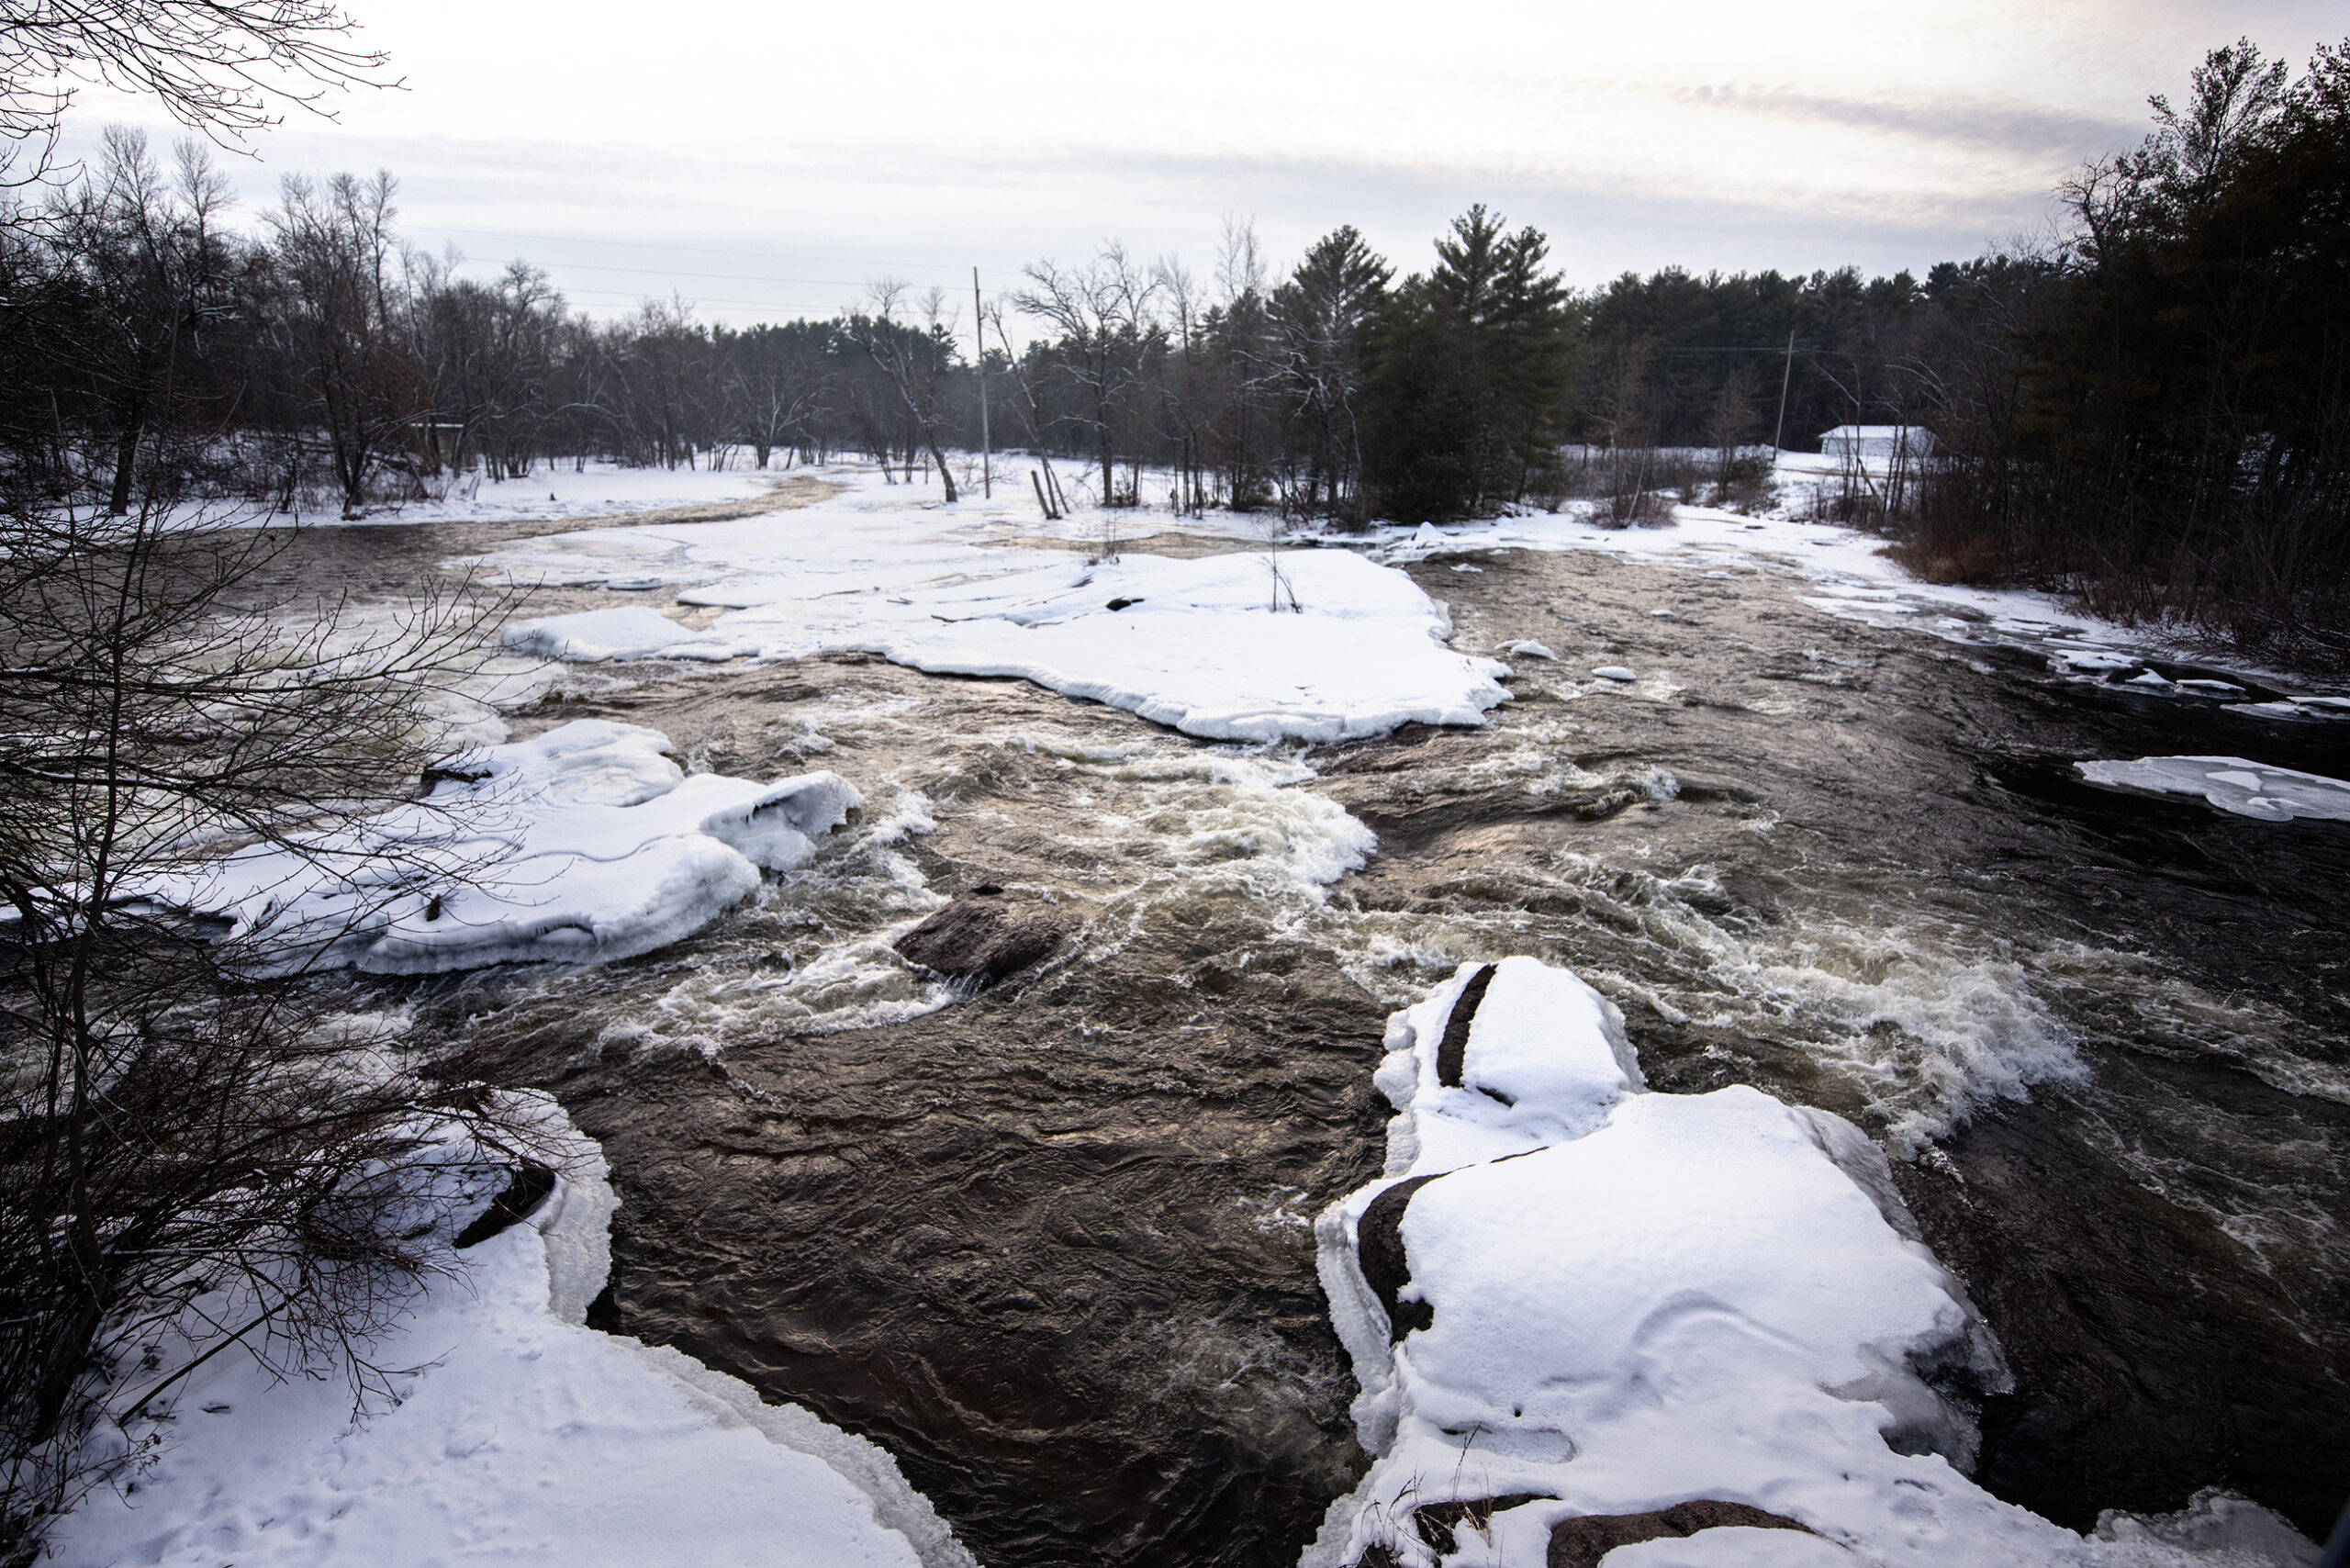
517 1435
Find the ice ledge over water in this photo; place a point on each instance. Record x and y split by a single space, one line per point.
2246 789
518 1437
1354 649
1580 1298
582 844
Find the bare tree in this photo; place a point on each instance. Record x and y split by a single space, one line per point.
182 1153
336 314
1105 313
223 65
913 355
148 263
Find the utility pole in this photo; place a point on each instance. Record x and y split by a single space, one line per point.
979 365
1777 438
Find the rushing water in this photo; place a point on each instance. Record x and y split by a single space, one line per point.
1050 1245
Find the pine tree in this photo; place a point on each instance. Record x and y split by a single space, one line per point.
1470 364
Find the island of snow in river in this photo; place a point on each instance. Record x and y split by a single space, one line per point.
1316 645
584 843
1583 1316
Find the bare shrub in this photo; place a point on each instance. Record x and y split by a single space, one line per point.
186 1149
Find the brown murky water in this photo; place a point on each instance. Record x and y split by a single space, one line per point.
1050 1245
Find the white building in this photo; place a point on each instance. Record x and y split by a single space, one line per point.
1878 446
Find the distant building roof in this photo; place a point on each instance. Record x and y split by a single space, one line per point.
1889 442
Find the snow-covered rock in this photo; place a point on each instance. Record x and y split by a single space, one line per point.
584 843
1572 1299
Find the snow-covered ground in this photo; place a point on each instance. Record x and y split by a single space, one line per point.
584 843
1569 1298
517 1436
599 490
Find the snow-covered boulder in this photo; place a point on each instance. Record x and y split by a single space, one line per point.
1588 1320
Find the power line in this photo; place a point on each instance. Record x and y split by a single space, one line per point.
697 249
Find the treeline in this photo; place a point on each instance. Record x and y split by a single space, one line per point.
2161 415
2150 413
147 348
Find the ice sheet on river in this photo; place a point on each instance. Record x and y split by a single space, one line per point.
1580 1298
587 843
2231 783
519 1436
1317 644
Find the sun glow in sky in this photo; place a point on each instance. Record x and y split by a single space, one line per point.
765 160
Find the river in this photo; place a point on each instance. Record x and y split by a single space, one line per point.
1050 1245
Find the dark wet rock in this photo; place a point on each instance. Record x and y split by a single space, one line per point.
1379 1250
984 936
436 776
1436 1521
1452 1051
1582 1542
1122 603
515 1203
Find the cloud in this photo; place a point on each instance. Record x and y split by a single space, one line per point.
1985 125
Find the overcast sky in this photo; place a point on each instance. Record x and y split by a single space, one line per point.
765 160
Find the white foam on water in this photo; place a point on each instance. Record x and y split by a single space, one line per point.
1911 1022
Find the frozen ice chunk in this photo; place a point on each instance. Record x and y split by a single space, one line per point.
584 843
630 631
1527 648
1614 672
2231 783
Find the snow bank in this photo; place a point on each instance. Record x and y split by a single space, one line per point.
1571 1297
584 843
521 1436
2231 783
